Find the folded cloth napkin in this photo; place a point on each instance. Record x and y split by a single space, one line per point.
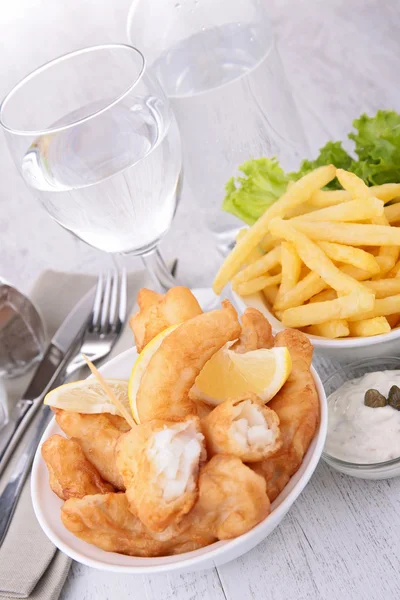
30 566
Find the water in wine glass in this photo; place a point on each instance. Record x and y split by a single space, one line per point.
223 88
112 181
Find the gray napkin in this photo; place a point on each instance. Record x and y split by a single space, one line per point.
30 566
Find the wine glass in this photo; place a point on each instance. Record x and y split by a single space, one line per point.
93 135
220 68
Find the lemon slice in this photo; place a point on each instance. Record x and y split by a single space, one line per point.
229 374
141 365
88 397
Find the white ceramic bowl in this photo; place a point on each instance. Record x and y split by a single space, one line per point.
380 470
342 349
47 506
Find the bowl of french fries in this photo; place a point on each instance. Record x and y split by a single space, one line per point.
325 262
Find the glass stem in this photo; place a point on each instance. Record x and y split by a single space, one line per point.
162 277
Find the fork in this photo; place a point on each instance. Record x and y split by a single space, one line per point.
103 329
105 322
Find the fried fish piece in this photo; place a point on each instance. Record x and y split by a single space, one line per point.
256 332
71 475
97 435
106 521
159 311
243 427
232 500
164 389
159 462
297 406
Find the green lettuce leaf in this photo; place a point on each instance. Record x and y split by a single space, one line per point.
248 197
331 154
377 145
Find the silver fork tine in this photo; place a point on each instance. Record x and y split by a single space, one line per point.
114 300
97 302
122 299
106 304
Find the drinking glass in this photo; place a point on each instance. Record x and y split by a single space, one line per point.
219 66
93 135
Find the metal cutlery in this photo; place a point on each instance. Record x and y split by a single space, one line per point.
100 335
59 352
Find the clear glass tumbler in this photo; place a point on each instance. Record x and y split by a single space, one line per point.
94 137
219 66
22 334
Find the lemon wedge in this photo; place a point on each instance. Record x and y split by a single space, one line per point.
141 365
88 397
229 374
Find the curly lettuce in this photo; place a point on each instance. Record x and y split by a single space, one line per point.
248 197
376 146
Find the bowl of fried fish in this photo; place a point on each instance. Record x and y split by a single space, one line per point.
164 480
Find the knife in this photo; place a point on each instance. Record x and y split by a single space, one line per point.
58 353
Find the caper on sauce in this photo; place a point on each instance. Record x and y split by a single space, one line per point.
375 399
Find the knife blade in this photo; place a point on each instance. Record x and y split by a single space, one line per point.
58 353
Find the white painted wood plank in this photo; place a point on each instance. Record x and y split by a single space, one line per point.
340 540
84 583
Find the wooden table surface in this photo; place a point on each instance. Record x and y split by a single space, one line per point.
341 539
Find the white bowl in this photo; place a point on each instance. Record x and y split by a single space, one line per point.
342 349
47 506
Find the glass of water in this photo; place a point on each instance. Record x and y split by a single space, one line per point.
93 135
218 64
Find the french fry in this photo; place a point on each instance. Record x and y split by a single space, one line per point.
351 234
298 193
351 256
323 296
395 272
353 184
384 287
268 242
255 254
323 198
259 267
316 259
392 212
309 286
257 284
387 255
312 284
330 329
319 312
382 308
291 268
270 294
368 327
354 210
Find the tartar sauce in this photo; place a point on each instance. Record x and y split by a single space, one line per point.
358 433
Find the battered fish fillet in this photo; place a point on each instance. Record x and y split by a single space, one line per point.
297 407
158 311
164 389
97 435
107 522
159 462
256 332
232 500
71 474
243 427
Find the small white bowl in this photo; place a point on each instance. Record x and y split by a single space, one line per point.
380 470
47 506
342 349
